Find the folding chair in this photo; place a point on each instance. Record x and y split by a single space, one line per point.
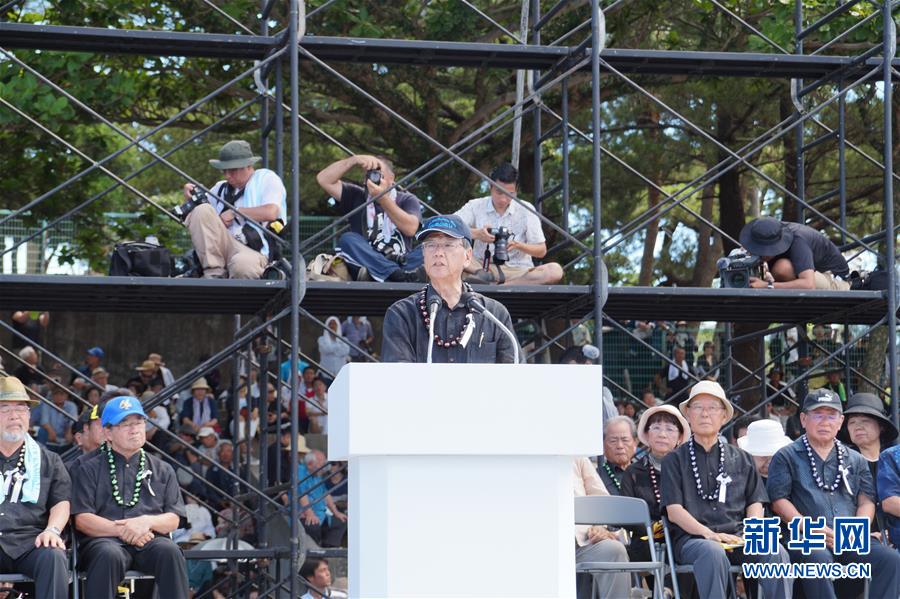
689 569
127 583
619 511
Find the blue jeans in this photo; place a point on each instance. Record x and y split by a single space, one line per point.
355 249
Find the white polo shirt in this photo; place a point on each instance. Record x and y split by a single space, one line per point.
521 219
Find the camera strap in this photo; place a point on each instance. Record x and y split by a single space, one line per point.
231 197
486 262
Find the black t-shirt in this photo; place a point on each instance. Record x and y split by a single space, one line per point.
811 250
678 486
92 493
21 522
353 196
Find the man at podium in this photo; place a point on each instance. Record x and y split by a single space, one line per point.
462 332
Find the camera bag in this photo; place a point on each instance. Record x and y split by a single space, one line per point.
140 259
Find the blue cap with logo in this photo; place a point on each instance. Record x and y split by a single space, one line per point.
97 352
119 408
448 224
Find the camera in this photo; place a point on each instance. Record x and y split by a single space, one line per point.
187 266
374 176
392 248
501 244
736 269
198 196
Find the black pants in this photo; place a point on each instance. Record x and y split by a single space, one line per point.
45 565
107 559
326 535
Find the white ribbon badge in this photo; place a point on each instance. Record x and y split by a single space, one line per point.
723 479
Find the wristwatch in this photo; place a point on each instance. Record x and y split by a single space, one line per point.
54 530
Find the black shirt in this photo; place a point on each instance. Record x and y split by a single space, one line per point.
679 487
810 250
608 481
93 490
21 522
636 482
405 336
353 196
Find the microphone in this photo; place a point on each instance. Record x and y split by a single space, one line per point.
434 302
473 304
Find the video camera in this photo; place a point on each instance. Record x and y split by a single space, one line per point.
736 269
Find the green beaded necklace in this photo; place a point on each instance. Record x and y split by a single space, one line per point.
115 483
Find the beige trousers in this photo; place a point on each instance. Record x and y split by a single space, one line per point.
826 280
219 252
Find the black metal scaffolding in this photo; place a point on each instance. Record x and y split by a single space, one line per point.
819 82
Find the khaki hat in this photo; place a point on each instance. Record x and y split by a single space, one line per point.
147 365
12 389
201 384
645 417
99 370
235 154
301 444
708 388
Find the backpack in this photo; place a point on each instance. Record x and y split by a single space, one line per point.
140 259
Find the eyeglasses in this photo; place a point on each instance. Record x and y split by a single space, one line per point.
823 417
14 410
132 424
706 409
444 246
667 429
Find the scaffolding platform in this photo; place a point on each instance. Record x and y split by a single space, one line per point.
231 296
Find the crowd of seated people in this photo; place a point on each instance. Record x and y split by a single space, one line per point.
198 436
700 486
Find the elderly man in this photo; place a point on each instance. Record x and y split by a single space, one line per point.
316 502
380 239
619 446
30 373
460 335
100 376
708 487
57 419
126 502
200 411
820 477
34 498
227 243
502 209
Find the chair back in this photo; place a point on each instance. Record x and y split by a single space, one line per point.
611 510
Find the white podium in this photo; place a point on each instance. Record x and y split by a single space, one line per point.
461 475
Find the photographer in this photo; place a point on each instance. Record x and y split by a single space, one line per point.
226 243
798 256
484 216
380 237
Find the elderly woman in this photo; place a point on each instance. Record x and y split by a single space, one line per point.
333 353
763 440
661 429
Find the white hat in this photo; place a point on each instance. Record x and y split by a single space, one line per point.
666 409
708 388
207 431
764 438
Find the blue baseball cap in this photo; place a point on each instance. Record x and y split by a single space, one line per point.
448 224
119 408
97 352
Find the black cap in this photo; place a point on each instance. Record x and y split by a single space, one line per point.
766 236
448 224
822 398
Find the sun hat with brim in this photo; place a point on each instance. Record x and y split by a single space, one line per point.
201 384
235 154
147 365
764 438
645 418
868 404
766 236
12 389
712 389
